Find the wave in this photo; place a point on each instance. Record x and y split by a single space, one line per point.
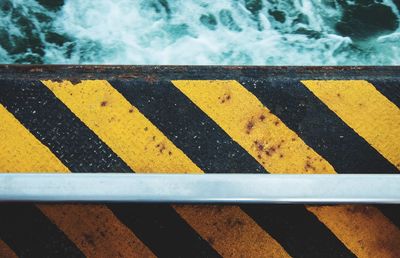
229 32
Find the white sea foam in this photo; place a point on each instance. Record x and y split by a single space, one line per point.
147 32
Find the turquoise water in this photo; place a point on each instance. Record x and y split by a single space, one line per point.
237 32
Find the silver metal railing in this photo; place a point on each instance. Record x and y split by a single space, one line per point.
203 188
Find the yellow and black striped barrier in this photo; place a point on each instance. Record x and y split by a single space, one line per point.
178 119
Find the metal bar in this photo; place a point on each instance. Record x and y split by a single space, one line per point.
210 188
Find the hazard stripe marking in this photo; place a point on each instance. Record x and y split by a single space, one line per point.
163 230
296 229
204 142
99 234
390 88
392 212
319 126
254 127
323 130
121 126
364 109
6 251
231 231
113 235
30 234
221 100
21 151
155 227
370 107
46 118
364 229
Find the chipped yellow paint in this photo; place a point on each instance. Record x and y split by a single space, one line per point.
239 113
122 127
138 142
96 230
242 116
231 231
21 151
360 105
369 234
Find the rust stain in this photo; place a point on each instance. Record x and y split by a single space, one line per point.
249 126
225 98
234 222
309 166
259 145
360 209
88 239
161 147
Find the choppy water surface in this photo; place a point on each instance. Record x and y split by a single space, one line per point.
249 32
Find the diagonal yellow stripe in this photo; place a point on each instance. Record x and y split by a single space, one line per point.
366 231
96 230
146 149
231 231
364 109
122 127
242 116
239 113
21 151
6 251
93 228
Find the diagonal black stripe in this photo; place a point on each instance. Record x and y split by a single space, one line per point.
390 88
323 130
295 228
181 121
50 122
392 212
188 243
318 126
279 215
30 234
46 117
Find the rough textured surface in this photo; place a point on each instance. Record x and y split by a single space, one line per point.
164 119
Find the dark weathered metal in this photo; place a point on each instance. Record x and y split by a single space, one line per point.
61 126
154 72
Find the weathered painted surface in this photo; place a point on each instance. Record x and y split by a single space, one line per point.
179 119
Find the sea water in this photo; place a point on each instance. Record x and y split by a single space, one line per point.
199 32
